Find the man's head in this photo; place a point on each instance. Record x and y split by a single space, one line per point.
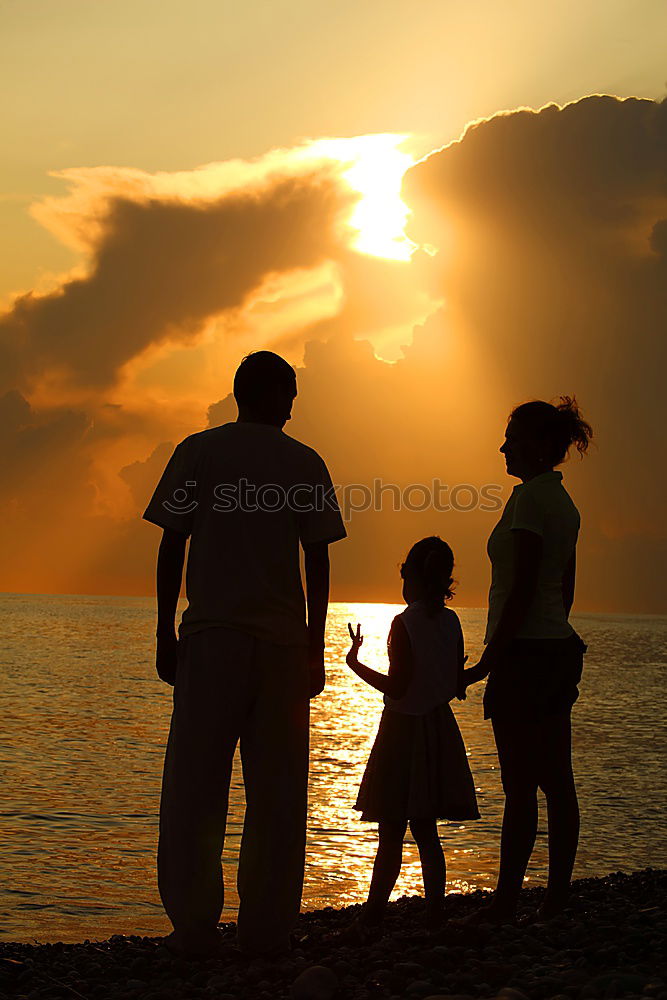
265 388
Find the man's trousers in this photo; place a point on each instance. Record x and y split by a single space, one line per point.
231 686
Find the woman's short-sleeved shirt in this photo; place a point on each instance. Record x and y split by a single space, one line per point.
543 506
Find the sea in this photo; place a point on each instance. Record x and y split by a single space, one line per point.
85 721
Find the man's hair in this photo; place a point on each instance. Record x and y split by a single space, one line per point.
259 374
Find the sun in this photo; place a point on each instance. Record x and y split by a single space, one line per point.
380 216
373 166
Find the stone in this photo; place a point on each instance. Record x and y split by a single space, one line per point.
418 988
448 996
616 984
409 968
314 983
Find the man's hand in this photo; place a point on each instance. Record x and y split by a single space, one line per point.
316 673
166 657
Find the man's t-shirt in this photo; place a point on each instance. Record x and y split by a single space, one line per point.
247 494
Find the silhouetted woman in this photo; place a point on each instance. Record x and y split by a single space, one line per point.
533 657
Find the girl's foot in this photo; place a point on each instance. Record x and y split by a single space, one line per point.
435 914
359 933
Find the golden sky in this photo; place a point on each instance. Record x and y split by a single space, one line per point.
184 183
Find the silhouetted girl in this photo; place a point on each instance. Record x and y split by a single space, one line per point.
417 772
533 656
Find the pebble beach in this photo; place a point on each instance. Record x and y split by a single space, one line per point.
610 942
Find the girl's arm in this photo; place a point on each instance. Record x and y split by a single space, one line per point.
527 558
396 682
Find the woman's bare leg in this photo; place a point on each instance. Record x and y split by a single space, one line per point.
557 783
434 870
517 743
386 869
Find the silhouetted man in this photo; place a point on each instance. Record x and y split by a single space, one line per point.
245 663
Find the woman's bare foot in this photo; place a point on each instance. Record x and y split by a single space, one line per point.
494 913
552 906
209 945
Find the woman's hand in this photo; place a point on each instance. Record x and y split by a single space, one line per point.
479 671
475 674
357 642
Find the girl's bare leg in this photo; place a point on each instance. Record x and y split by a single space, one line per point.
434 870
385 870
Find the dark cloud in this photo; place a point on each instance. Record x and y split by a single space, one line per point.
590 165
42 455
162 267
550 227
142 477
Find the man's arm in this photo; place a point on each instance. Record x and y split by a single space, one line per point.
170 559
316 561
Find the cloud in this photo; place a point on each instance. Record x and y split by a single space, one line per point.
590 165
41 454
544 272
552 257
142 477
162 264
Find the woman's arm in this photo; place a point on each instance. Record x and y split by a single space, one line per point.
527 558
401 667
568 583
460 664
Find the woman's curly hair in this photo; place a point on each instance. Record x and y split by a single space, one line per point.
557 427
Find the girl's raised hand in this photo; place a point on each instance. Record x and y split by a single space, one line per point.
357 641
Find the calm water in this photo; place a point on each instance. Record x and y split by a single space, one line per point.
85 721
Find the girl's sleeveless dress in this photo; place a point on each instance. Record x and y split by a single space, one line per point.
418 768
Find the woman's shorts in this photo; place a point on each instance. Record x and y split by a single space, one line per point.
536 678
